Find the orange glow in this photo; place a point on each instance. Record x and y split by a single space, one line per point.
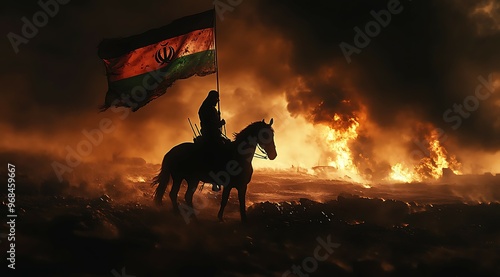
432 166
338 139
136 179
429 167
403 174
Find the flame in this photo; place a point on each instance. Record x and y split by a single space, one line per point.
338 139
136 179
430 167
403 174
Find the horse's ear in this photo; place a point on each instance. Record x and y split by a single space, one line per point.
271 122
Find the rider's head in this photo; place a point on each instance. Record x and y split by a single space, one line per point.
213 97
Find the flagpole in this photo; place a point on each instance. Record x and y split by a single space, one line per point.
215 46
217 66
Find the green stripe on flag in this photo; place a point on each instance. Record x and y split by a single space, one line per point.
156 82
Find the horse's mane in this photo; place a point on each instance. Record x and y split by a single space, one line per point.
253 128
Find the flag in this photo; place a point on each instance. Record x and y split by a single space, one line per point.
140 68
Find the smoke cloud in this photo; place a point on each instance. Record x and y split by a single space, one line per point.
277 59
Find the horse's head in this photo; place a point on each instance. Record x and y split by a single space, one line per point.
260 133
265 139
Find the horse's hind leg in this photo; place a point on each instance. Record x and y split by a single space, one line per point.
223 202
241 197
176 185
192 185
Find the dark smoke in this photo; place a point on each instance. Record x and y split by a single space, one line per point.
424 61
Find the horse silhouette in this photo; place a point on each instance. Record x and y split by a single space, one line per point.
230 167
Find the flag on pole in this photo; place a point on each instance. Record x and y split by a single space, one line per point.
140 68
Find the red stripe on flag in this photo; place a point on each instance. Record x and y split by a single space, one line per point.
158 55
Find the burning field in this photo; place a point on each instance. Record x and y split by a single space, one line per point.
386 128
299 223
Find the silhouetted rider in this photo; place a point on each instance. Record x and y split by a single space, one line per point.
210 129
210 119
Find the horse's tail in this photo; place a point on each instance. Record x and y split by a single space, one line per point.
161 180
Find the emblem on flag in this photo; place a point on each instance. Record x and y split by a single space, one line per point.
142 67
161 59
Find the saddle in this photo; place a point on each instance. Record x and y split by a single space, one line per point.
214 143
214 151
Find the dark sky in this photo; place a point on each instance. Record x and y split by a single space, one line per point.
272 55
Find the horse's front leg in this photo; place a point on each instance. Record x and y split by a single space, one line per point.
223 202
241 197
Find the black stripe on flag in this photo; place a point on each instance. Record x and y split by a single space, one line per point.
116 47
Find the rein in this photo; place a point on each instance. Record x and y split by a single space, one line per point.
263 156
